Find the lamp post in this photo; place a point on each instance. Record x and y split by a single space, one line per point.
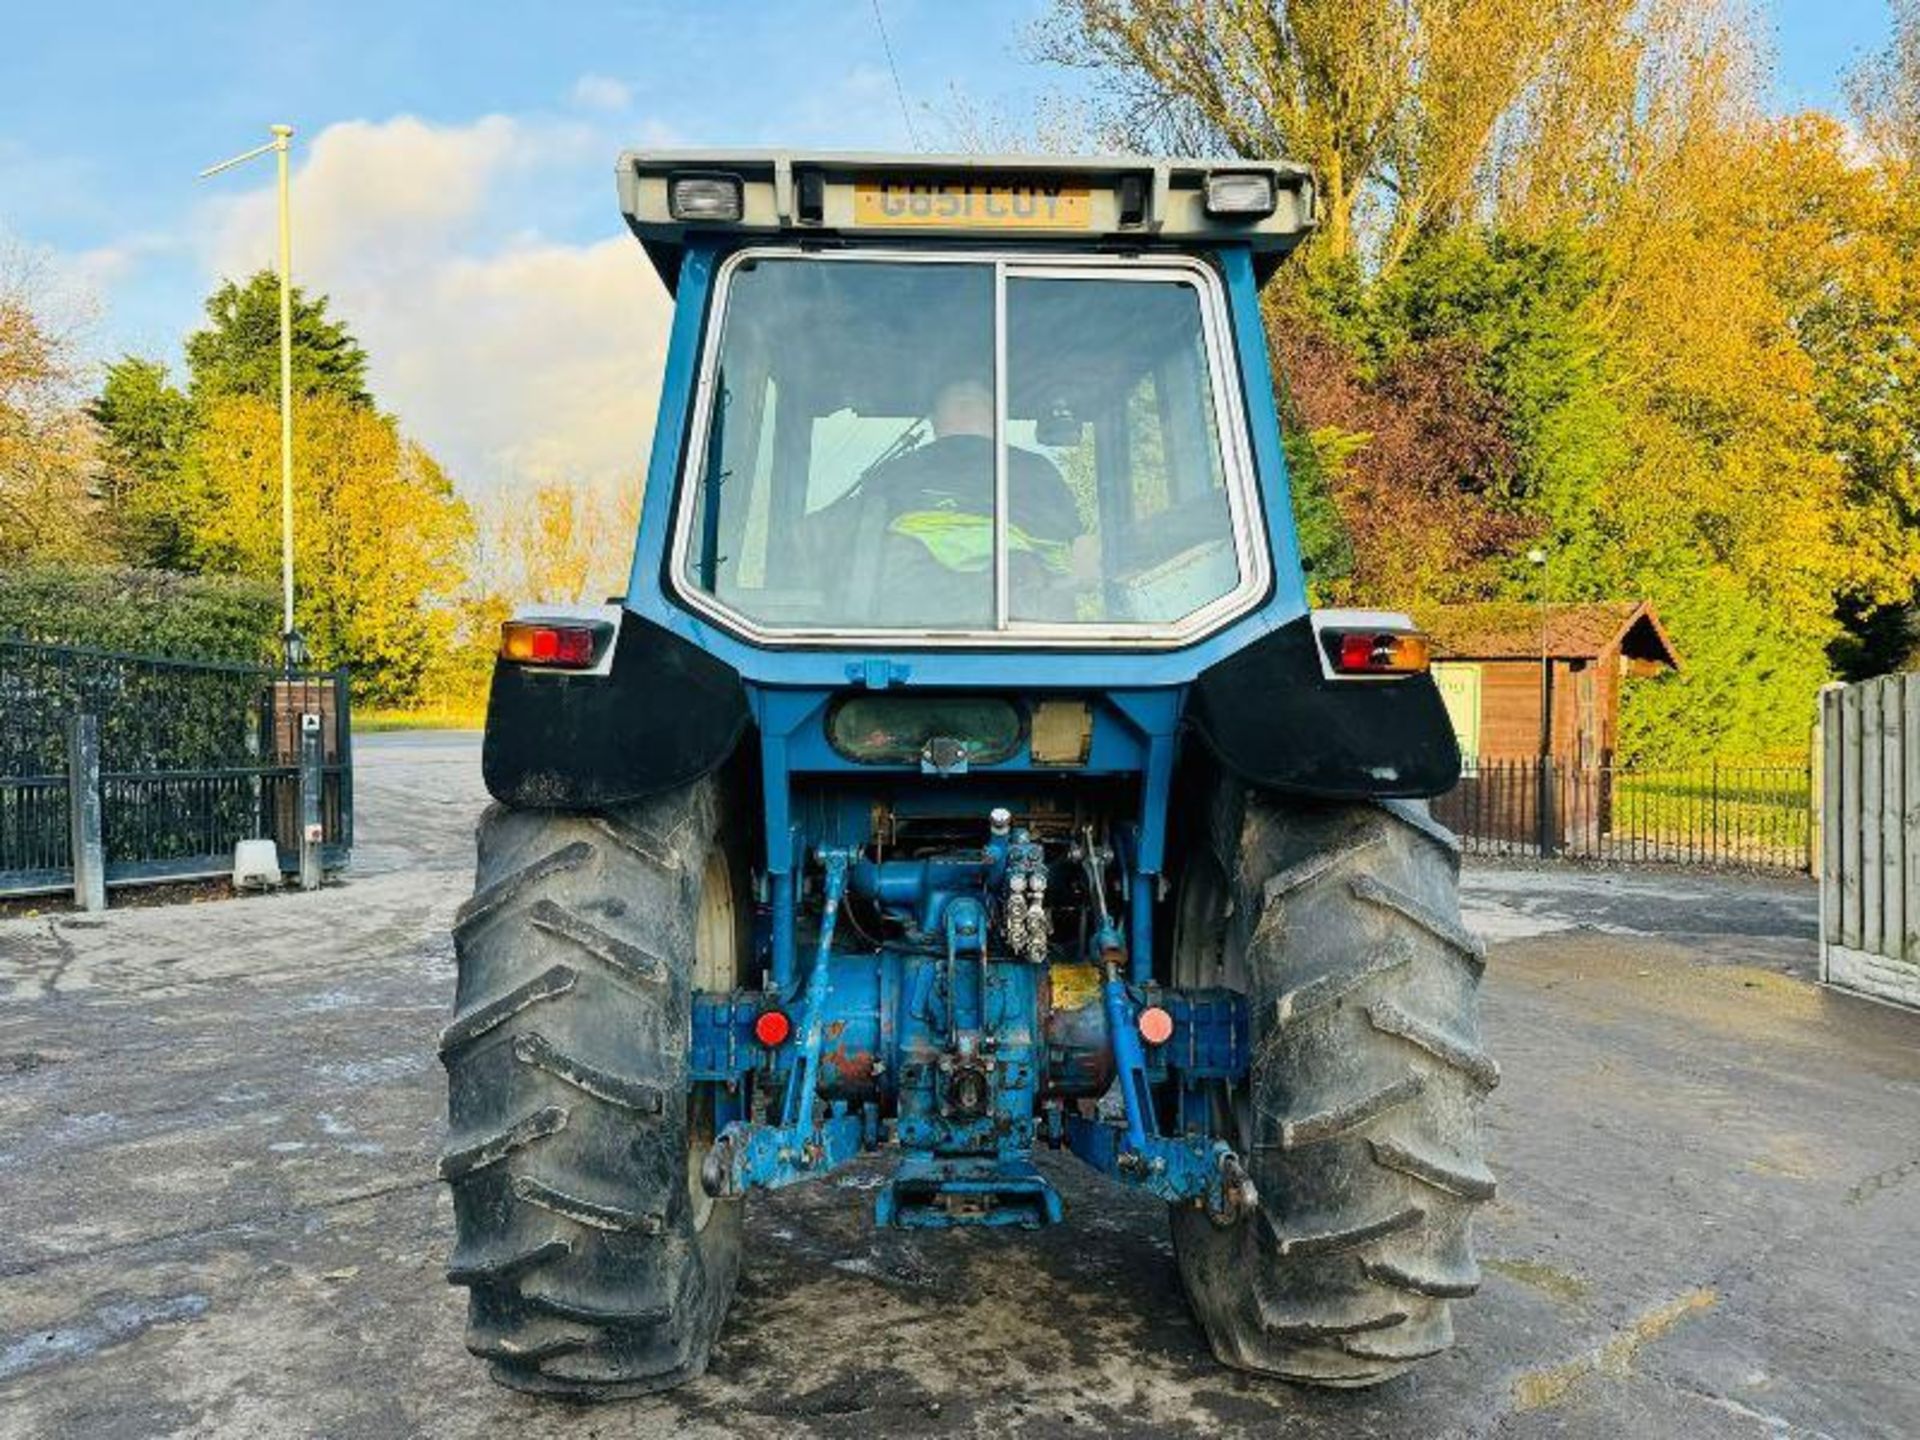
1538 559
1543 782
293 647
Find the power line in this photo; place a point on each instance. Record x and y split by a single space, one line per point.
898 89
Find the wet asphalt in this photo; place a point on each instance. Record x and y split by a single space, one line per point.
217 1214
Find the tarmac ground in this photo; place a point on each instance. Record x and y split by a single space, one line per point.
218 1125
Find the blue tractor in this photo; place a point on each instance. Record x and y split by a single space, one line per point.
963 774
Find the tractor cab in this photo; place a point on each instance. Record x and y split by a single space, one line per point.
965 404
962 775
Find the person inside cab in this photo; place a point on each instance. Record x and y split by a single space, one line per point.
921 525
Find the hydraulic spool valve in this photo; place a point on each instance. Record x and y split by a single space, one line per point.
1025 921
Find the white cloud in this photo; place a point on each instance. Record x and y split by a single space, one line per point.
83 277
388 194
536 363
512 357
105 268
601 92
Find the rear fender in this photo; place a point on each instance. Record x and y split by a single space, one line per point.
657 712
1276 716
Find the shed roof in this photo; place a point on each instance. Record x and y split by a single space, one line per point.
1510 630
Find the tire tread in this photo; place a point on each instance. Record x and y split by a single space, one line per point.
1368 1075
567 1073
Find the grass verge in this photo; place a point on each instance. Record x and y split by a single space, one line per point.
440 717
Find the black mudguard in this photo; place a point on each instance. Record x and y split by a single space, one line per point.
666 714
1271 716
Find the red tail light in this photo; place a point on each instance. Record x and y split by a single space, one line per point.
1377 652
544 642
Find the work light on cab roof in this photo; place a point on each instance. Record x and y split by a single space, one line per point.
1266 206
962 772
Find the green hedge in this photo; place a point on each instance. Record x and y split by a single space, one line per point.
148 612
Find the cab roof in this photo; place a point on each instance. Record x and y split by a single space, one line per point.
1124 201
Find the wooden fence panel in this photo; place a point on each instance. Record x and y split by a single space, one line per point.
1830 748
1910 882
1872 795
1870 861
1893 818
1849 818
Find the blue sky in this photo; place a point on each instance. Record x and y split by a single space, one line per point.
105 120
455 192
1817 41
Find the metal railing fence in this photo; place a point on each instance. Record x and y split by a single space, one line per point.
1760 816
193 756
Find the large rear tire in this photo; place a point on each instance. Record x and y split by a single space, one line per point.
595 1264
1360 1120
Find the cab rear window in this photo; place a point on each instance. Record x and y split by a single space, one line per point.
865 465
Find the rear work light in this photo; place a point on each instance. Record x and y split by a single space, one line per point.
704 197
559 644
1245 194
1376 652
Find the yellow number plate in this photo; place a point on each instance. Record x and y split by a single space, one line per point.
971 205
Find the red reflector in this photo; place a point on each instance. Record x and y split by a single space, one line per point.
1156 1025
772 1028
1379 652
568 646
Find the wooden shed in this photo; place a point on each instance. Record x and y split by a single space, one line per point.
1488 660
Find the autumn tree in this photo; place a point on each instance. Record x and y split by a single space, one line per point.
1458 406
1575 288
146 422
1418 463
1860 322
47 510
1399 105
380 538
1885 94
564 540
191 478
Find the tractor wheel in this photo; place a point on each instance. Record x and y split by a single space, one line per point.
1360 1119
596 1265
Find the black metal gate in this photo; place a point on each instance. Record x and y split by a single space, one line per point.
1756 816
193 756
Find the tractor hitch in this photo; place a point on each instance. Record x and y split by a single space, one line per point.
976 1036
765 1157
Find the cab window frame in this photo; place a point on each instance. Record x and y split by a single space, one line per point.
1249 534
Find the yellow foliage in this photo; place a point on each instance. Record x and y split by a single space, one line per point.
563 541
46 441
1745 270
560 542
1742 353
380 539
